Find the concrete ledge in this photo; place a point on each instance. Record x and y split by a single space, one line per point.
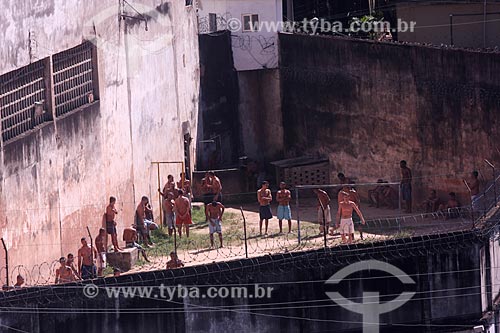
124 260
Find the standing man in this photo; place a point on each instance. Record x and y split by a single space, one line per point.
406 185
214 213
182 213
141 223
206 188
168 187
64 273
100 244
111 224
169 216
324 212
344 217
264 197
70 262
86 256
474 190
284 212
216 186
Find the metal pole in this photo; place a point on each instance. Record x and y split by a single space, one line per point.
484 24
6 262
245 232
494 182
297 207
159 195
471 204
400 197
324 226
91 253
451 29
485 207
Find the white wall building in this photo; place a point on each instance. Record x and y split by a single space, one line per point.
252 48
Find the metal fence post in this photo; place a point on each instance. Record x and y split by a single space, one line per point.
298 212
244 231
6 263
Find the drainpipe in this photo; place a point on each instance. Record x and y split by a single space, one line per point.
484 24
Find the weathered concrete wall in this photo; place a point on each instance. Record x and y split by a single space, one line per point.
251 49
369 105
51 189
260 114
433 23
298 302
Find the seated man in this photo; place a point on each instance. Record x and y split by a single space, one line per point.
130 239
174 261
450 209
142 224
374 194
388 197
431 204
64 273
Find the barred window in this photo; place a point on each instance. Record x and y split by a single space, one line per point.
22 100
73 78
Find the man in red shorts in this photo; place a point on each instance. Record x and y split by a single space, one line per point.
182 213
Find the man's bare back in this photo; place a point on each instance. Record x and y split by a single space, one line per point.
323 198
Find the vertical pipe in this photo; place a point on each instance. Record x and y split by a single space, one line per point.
297 207
159 195
6 263
245 232
451 29
484 24
400 198
91 253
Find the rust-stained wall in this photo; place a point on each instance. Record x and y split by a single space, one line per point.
260 114
369 105
57 180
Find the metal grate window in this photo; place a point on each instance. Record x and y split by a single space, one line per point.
22 100
73 78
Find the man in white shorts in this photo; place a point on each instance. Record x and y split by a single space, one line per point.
344 217
214 212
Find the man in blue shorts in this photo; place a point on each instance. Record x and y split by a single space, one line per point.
284 212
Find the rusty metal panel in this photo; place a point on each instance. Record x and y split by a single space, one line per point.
73 78
22 100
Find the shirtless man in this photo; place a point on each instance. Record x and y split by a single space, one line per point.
284 212
324 212
406 185
100 244
264 197
214 213
19 281
86 256
111 224
140 221
474 189
206 188
70 262
450 209
344 217
64 273
354 197
130 239
216 187
174 261
343 179
168 210
182 213
168 187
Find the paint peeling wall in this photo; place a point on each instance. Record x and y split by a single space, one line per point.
57 180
